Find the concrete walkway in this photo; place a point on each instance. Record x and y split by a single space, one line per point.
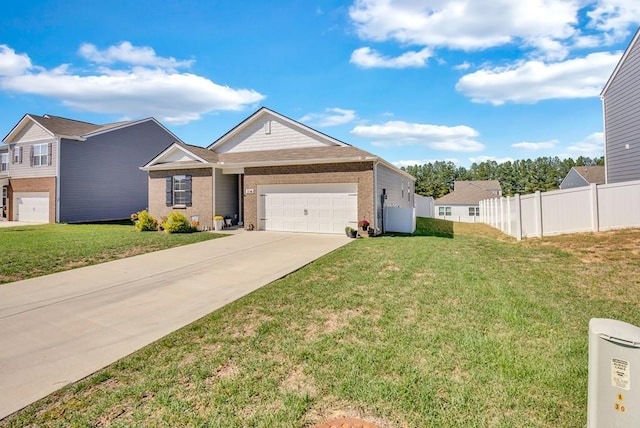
60 328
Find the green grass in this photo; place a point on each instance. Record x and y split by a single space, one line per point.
30 251
464 328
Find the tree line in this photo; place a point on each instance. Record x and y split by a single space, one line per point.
521 176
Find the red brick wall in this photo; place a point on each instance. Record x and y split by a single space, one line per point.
41 184
360 173
201 194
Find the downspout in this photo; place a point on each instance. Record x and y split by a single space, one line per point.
58 150
213 196
378 220
604 134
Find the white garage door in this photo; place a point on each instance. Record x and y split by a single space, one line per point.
33 207
308 207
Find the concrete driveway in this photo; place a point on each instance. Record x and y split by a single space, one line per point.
60 328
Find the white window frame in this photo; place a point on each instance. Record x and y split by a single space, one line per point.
40 158
17 155
4 161
444 211
179 190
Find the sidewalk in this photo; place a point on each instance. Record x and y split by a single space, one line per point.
57 329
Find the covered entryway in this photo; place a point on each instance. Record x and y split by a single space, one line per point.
314 208
31 207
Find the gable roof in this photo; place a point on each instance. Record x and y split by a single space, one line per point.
261 113
482 184
616 70
75 129
467 195
591 174
335 151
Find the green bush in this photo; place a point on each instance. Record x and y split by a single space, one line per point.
177 223
145 221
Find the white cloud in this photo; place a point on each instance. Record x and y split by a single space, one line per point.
331 117
535 146
464 66
126 53
591 146
498 160
398 133
614 17
369 58
465 24
531 81
154 89
12 64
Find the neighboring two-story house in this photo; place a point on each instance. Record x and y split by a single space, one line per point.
463 204
621 108
54 169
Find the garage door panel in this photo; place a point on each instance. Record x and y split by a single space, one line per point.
32 206
309 212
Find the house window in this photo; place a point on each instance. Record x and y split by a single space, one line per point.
178 190
40 155
17 155
474 211
4 162
444 211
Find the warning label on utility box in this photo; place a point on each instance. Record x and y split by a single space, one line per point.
620 374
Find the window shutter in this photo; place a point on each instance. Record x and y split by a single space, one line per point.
31 155
19 154
50 152
187 186
169 188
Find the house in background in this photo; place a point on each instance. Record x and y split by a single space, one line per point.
463 203
580 176
63 170
621 108
273 173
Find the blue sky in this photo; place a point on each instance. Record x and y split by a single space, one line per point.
413 81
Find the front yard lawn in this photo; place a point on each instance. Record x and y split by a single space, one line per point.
30 251
460 326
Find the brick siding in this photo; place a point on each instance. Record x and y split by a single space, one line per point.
201 195
357 172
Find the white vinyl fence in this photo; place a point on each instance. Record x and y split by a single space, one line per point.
582 209
400 219
424 206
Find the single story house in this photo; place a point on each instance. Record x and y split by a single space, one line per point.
59 170
463 203
273 173
580 176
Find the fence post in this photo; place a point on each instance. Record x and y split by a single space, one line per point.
538 214
595 219
509 216
518 217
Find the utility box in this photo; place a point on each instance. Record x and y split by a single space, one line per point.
614 374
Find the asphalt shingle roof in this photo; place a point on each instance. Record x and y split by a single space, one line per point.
593 174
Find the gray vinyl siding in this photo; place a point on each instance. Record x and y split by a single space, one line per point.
226 194
573 179
32 132
100 178
622 121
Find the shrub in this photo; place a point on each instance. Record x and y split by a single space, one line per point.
145 221
177 223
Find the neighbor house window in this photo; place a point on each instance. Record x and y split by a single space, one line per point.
4 162
444 211
178 190
474 211
40 155
17 155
